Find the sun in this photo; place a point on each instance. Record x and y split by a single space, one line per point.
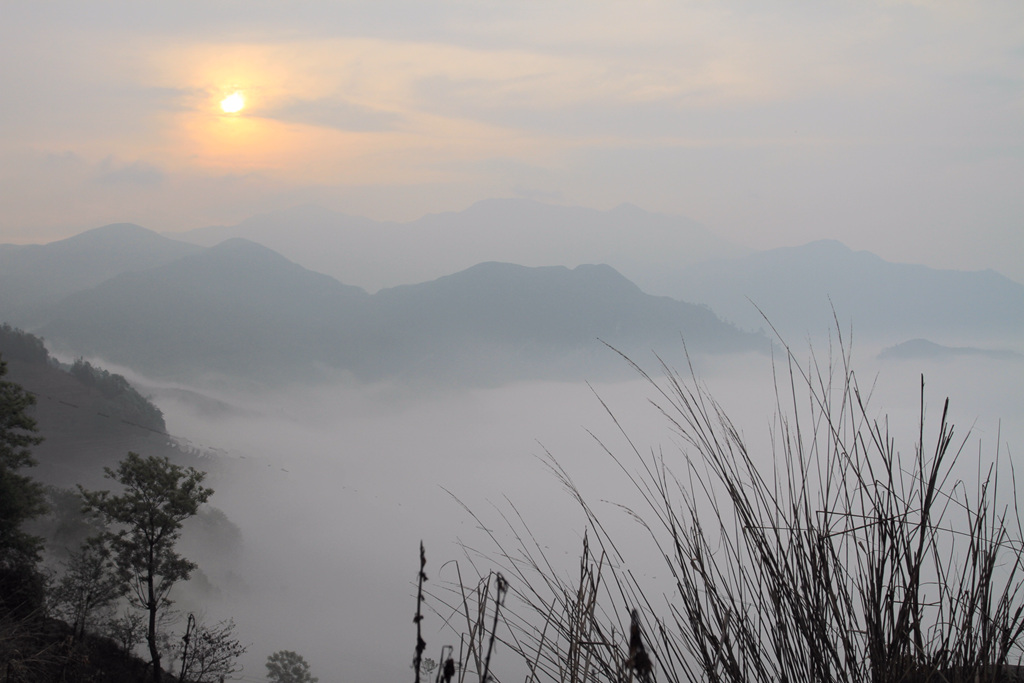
233 103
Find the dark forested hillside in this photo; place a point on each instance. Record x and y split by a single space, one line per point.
87 416
67 607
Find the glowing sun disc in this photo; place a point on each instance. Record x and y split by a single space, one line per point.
233 103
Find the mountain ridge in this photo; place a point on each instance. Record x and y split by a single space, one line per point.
79 262
239 305
240 309
798 288
380 254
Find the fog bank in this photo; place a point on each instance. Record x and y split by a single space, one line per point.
334 487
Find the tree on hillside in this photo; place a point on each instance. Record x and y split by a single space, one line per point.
90 582
146 519
21 498
285 666
127 629
210 653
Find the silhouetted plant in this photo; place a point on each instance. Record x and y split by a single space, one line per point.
21 499
145 521
477 640
421 645
837 558
127 629
209 653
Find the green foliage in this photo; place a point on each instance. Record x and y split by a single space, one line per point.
146 518
129 403
21 499
16 344
106 383
285 666
120 397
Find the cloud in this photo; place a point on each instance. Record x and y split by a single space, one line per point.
334 113
775 123
111 172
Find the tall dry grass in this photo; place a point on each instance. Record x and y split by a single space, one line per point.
841 557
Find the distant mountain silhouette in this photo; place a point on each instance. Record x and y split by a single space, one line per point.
237 308
922 348
797 288
547 320
243 311
34 275
645 247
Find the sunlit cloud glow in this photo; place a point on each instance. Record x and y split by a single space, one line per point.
233 103
771 124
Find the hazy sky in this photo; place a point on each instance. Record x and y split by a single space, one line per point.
893 126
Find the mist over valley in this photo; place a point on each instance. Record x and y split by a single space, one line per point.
641 318
340 428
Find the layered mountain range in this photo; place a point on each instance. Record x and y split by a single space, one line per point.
644 246
795 288
239 309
